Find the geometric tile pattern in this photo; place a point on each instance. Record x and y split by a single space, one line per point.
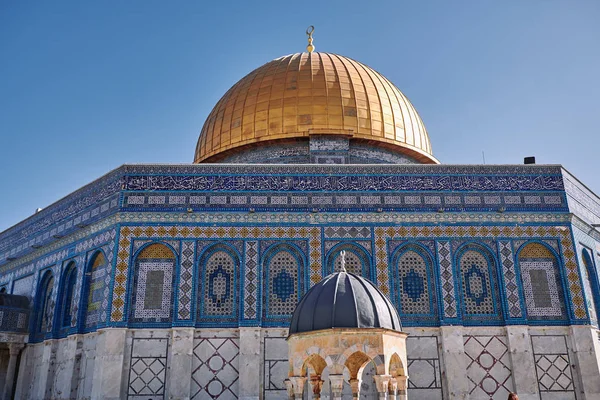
507 262
542 286
447 279
80 262
215 368
66 301
147 373
282 282
251 280
186 274
95 289
563 233
353 232
478 297
153 289
219 272
488 367
356 261
542 296
275 364
424 367
109 251
129 233
413 283
552 366
46 304
554 372
152 298
24 286
382 235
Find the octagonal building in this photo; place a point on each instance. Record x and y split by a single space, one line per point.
179 281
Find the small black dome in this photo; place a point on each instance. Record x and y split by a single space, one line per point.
13 300
344 300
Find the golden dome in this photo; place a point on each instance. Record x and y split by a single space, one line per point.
313 93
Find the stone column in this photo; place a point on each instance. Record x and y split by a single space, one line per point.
586 349
382 382
13 352
337 386
316 384
290 389
402 382
392 388
109 376
455 362
250 364
298 386
523 365
180 373
355 385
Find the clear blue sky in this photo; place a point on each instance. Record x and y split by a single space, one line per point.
86 86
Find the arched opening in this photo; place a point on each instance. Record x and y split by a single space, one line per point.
94 291
542 283
478 285
66 293
44 306
152 294
416 294
282 281
396 368
219 266
357 261
591 286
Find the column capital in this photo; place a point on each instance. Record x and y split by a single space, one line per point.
402 382
382 382
298 385
15 348
393 385
290 388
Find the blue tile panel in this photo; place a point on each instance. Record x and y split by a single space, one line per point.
470 273
438 268
404 187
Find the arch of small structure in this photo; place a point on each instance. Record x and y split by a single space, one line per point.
347 348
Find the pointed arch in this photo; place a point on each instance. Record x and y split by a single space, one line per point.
592 288
358 261
65 298
93 292
153 281
218 290
542 282
283 281
476 268
416 299
44 306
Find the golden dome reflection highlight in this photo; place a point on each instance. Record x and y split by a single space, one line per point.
308 93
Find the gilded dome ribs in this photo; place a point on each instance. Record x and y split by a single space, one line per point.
291 96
